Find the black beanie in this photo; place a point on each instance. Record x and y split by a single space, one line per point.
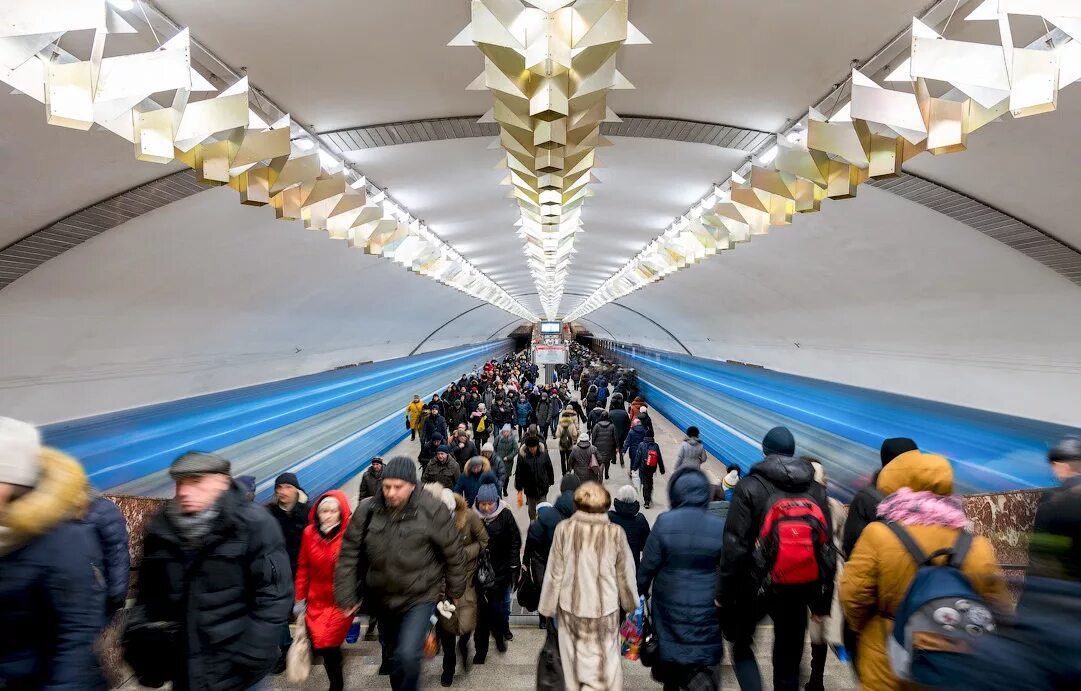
692 431
779 441
894 447
288 479
569 483
400 468
1067 450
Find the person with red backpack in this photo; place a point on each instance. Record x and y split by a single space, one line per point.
778 560
647 460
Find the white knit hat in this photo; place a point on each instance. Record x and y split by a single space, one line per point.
20 452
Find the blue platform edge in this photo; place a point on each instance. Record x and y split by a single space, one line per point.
125 445
989 452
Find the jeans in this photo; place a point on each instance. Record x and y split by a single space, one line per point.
403 634
787 607
491 621
332 661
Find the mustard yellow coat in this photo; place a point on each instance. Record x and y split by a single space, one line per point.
413 414
880 569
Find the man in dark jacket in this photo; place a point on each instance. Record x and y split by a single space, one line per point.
635 436
290 509
428 452
52 600
463 448
371 480
541 532
112 532
740 583
864 507
626 515
604 439
214 569
434 426
534 475
442 469
679 567
400 555
621 420
640 461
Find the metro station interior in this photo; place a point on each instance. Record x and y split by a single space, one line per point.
258 228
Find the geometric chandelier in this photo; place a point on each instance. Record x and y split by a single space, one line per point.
549 65
146 98
948 90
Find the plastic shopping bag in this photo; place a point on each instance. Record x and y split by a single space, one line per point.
630 633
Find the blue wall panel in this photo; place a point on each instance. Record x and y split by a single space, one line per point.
735 405
125 448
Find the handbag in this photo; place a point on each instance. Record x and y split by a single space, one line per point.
549 663
298 661
529 590
485 577
649 651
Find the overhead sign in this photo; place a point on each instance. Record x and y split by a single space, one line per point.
550 354
551 327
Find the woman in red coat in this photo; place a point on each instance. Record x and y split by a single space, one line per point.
319 548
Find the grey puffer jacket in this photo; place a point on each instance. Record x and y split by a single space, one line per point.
691 452
581 457
605 439
406 556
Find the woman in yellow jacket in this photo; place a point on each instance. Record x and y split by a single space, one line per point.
414 416
919 495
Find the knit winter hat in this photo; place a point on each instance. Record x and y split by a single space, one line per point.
487 446
692 431
730 480
401 468
779 441
443 448
1067 450
894 447
569 483
20 450
488 491
288 479
584 436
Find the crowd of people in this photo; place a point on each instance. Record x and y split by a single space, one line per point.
431 554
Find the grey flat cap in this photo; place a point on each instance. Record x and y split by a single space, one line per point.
198 463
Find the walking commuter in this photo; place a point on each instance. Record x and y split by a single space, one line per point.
429 451
605 440
215 585
827 631
463 448
679 568
541 532
691 450
52 601
625 513
506 451
594 417
731 479
112 533
414 421
647 460
583 460
636 406
635 436
590 577
454 633
477 470
523 412
864 507
777 490
534 475
327 625
544 414
504 549
482 425
647 421
919 507
567 435
622 423
458 414
434 426
487 452
371 480
401 553
442 469
290 509
590 399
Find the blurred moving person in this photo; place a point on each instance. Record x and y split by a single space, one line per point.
505 451
52 583
372 479
290 509
504 550
400 554
112 531
605 439
414 418
566 432
322 542
827 631
625 513
215 586
534 475
691 451
590 576
646 460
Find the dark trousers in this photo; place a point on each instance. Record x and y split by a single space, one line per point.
647 484
564 456
448 641
403 633
412 434
686 677
332 661
787 607
481 438
491 620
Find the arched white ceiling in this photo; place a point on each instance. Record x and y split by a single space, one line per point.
880 292
204 295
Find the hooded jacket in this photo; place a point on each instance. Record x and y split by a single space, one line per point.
544 411
398 559
434 426
636 405
641 456
504 544
691 451
474 539
880 569
679 566
370 484
292 524
413 414
231 597
469 482
567 431
112 532
627 515
635 436
506 447
604 440
750 500
52 588
522 411
327 624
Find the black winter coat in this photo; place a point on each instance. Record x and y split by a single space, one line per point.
292 525
534 473
861 512
626 515
112 532
434 427
463 453
679 567
399 559
635 436
231 596
604 440
641 456
370 484
446 474
622 422
750 500
504 546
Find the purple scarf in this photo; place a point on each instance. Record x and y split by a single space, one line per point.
923 508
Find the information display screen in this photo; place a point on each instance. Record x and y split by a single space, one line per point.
551 327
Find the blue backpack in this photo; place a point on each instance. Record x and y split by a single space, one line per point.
939 618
